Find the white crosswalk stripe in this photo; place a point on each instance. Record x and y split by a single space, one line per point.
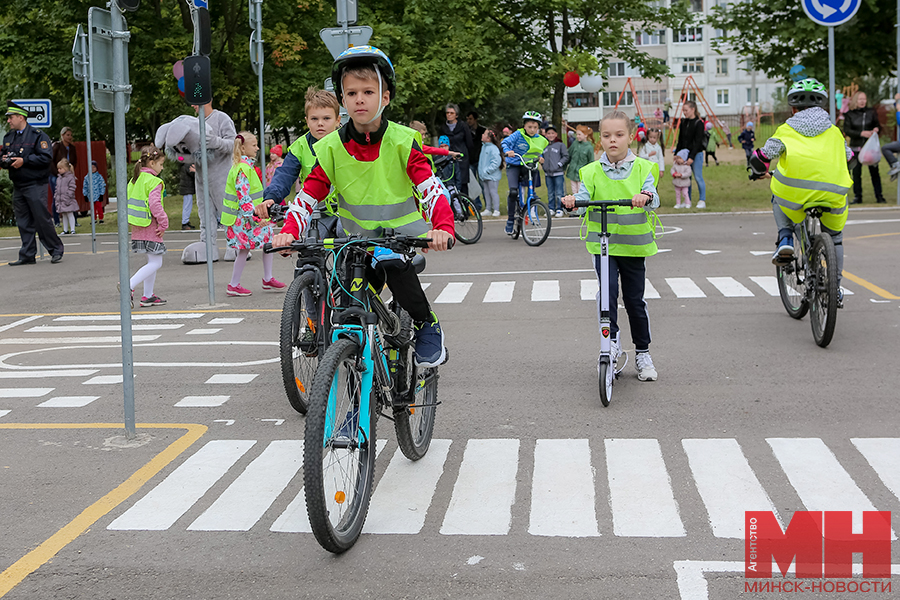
730 287
545 291
500 291
453 293
565 498
640 490
684 287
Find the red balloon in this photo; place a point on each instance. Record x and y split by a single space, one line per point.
571 79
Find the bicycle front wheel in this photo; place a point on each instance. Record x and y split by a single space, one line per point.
300 340
468 224
338 457
536 224
824 276
792 286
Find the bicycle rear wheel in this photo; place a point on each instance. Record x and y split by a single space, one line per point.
468 224
414 421
536 224
338 459
792 286
823 304
301 339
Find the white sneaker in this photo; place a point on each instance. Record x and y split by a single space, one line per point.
559 213
701 204
644 365
496 213
486 213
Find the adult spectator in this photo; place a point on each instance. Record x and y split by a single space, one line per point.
460 141
27 155
187 188
691 134
220 134
861 123
477 133
63 149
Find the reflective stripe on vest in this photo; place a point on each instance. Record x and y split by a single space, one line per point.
374 195
812 171
630 230
139 198
231 208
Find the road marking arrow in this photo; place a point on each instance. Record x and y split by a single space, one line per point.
276 421
226 421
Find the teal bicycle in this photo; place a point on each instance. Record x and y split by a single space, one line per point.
367 371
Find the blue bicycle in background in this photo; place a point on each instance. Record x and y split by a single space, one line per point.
532 217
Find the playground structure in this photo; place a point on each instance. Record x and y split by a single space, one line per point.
691 86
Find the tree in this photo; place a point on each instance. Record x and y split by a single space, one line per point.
774 35
555 36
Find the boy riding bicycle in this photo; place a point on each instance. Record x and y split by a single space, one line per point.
526 142
620 175
811 171
374 164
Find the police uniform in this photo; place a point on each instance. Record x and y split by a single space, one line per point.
30 188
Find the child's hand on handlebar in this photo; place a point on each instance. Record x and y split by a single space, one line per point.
455 154
283 239
568 202
510 153
639 200
261 210
439 240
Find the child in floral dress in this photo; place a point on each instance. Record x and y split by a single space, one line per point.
244 230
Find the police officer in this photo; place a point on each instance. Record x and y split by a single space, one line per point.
27 154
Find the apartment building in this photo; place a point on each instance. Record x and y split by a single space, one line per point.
723 79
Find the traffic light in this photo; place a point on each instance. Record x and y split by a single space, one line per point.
129 5
204 32
197 80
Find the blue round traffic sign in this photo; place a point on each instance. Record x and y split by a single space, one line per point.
830 13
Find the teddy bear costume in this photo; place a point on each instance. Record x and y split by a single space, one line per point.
181 140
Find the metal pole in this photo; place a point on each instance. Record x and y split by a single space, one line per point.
87 127
259 58
119 59
831 101
211 224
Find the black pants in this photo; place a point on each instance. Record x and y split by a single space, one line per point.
633 272
857 181
32 216
405 287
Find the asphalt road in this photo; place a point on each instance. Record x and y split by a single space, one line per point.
531 488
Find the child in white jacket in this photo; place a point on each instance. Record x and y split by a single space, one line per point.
652 150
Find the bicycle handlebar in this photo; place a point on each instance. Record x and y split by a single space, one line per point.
401 243
590 203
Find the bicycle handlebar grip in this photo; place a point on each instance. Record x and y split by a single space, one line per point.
267 248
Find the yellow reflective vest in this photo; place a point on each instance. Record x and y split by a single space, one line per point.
376 195
139 198
231 206
812 171
631 231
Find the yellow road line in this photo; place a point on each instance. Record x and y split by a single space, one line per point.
178 312
29 563
874 235
870 286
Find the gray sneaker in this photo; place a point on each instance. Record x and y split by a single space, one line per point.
644 365
895 171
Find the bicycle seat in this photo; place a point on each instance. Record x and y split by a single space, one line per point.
419 263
